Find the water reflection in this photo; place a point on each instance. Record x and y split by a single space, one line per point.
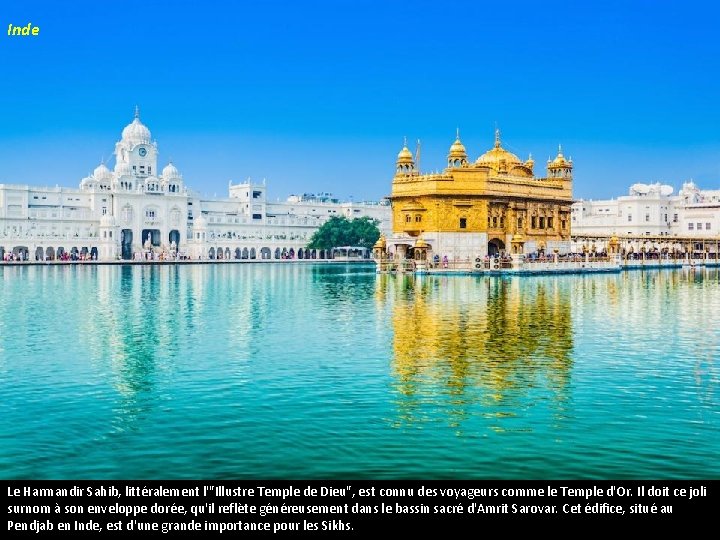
333 371
130 326
503 348
477 343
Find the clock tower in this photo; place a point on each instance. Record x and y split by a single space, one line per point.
136 153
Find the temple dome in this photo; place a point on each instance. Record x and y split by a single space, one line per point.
101 172
136 132
457 149
560 160
405 154
170 171
498 154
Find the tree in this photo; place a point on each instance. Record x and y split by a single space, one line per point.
341 231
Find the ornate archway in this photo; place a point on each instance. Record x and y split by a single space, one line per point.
495 247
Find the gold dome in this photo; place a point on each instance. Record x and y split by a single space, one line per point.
457 149
560 160
380 244
405 155
421 243
497 154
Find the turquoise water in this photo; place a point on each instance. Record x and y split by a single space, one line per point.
327 371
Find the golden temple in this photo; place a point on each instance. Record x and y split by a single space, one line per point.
492 206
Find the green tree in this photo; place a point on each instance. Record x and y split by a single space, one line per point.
341 231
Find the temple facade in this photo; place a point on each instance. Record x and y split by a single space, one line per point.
137 211
492 206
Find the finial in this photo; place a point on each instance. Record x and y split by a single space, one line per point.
457 133
530 157
405 141
497 137
137 112
560 149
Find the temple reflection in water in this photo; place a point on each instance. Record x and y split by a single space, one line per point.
490 343
324 371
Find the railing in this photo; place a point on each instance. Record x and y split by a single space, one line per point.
40 237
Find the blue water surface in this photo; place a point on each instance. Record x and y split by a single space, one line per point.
331 371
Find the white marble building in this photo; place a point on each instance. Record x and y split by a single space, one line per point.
137 211
651 210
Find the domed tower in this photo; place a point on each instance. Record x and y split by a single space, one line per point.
405 164
457 157
136 152
103 177
560 167
171 179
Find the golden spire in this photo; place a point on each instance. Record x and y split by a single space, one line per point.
497 137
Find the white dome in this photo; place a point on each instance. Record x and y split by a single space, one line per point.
136 132
101 172
200 222
170 171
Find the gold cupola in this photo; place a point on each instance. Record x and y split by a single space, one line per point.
405 163
457 157
498 158
560 167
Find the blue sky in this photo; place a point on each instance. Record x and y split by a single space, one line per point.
317 95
